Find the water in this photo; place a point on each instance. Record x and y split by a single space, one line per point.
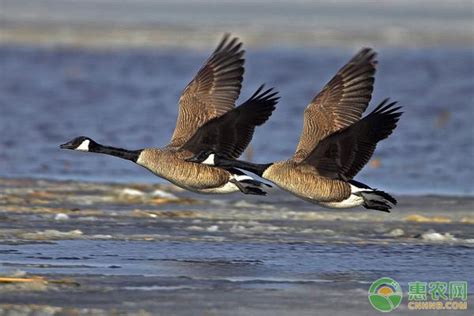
255 263
260 22
233 255
114 70
128 98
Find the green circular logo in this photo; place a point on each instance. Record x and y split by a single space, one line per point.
385 294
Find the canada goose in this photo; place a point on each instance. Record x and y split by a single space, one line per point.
207 120
335 143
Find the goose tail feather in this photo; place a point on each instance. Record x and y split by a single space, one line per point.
374 199
251 185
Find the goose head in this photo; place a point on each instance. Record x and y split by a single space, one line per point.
80 143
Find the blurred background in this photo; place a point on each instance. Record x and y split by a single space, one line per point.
114 69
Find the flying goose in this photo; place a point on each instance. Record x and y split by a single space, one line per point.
207 120
335 143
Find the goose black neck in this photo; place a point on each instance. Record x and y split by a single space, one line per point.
256 168
117 152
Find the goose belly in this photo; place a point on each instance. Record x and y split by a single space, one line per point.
205 185
191 176
201 179
350 202
313 188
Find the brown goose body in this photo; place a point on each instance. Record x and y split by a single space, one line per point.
335 142
207 120
171 165
314 175
306 183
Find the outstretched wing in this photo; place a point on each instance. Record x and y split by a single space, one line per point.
230 133
212 92
340 104
344 153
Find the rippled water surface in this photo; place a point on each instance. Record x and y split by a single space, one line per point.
262 263
153 247
128 98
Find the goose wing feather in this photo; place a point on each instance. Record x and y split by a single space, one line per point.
212 92
340 103
344 153
231 133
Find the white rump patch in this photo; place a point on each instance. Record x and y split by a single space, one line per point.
210 160
241 177
84 146
229 187
355 189
352 201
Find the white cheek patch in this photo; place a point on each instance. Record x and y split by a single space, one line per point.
84 146
209 160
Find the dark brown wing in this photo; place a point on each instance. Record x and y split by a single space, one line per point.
230 133
344 153
340 104
212 92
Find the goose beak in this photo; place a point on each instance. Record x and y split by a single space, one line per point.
67 145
